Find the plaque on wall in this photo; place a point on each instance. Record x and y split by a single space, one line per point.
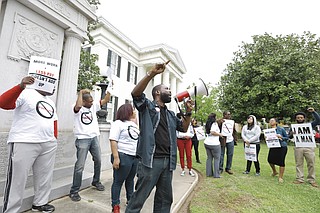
30 38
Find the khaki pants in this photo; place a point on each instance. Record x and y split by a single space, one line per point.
309 154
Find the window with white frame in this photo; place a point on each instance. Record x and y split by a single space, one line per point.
114 62
132 73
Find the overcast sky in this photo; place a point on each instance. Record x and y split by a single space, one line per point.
207 32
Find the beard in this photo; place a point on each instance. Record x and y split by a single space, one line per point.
300 122
165 98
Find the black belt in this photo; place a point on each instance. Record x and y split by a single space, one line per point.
183 139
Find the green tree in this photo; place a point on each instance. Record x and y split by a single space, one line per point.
207 104
94 2
89 72
272 77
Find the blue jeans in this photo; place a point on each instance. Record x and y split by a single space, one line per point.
83 146
230 148
126 172
161 177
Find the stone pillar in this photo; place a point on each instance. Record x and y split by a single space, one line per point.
173 87
165 78
157 80
67 90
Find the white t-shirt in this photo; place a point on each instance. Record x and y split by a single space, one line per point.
213 140
227 129
126 134
86 122
188 133
33 119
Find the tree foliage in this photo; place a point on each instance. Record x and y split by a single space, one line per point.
89 72
272 77
206 105
94 2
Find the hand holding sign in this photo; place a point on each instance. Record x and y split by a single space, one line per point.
26 81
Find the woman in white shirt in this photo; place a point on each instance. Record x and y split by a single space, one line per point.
124 134
212 145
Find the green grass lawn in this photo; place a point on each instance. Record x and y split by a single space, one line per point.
250 193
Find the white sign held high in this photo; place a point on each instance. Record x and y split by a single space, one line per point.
45 72
303 135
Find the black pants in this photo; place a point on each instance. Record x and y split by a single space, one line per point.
256 163
195 144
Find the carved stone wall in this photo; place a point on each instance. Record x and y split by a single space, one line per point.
30 38
38 27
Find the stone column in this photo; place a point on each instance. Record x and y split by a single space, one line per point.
157 79
173 87
165 78
67 90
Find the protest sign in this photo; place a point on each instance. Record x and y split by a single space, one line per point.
227 127
303 135
272 140
200 133
45 72
250 152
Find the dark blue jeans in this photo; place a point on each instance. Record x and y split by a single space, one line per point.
83 146
126 172
158 176
230 148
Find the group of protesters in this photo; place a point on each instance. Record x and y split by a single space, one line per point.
33 142
250 135
147 149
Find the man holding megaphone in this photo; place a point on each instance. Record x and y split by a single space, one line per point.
157 144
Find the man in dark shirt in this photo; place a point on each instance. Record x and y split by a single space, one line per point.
157 146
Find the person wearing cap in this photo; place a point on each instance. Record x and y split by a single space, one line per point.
308 153
157 144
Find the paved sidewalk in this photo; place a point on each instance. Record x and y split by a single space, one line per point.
93 201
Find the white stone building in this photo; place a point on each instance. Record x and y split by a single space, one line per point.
130 63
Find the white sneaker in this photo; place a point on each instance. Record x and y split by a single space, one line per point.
191 173
182 173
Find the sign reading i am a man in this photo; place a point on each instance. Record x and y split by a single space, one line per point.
303 135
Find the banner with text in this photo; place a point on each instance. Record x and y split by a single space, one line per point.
250 152
45 72
303 135
272 140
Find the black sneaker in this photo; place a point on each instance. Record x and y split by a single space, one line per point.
75 197
98 186
43 208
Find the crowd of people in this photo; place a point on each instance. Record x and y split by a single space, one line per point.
147 150
251 134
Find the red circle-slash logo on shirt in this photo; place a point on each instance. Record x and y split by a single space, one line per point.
44 109
86 118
